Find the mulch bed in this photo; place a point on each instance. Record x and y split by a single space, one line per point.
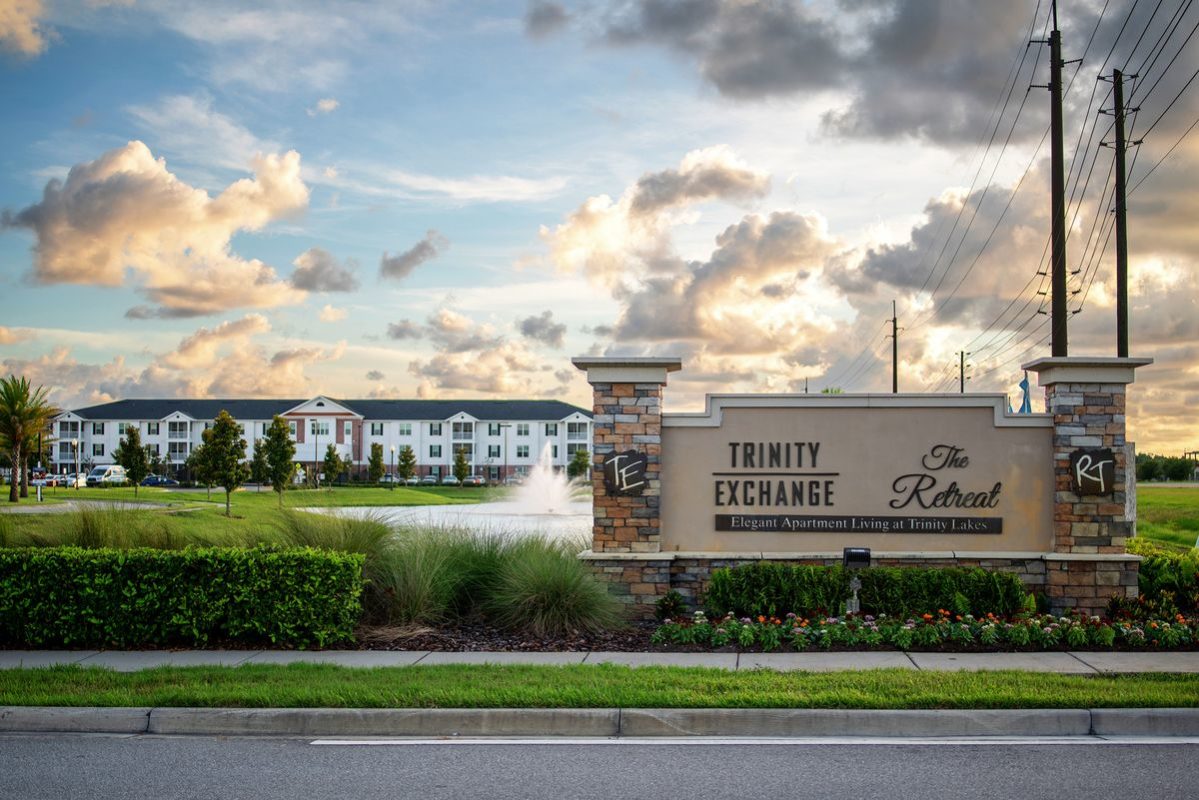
477 636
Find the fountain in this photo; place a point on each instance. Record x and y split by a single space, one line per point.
545 503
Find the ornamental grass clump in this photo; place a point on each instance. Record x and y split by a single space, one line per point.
943 630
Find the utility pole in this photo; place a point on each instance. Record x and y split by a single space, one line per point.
805 385
1058 271
894 350
1121 222
962 371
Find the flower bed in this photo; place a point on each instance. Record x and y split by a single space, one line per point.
941 631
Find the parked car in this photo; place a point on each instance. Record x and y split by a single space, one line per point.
47 480
474 480
390 479
429 480
159 480
111 475
449 480
74 480
413 481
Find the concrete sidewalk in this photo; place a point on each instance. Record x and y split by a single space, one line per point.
1074 662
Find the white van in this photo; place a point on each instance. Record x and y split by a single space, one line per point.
111 475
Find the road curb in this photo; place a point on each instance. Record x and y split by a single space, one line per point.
584 722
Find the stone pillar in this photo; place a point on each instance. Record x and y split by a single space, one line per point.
1086 396
626 532
627 402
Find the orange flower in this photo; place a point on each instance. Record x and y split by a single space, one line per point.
761 618
926 617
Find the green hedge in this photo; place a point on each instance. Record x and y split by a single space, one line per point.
75 597
774 589
1169 578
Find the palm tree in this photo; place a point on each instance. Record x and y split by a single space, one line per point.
24 412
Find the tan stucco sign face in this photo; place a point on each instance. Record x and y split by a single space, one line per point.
807 475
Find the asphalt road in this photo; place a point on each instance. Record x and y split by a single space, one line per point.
33 767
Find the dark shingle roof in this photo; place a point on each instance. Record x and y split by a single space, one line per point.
138 409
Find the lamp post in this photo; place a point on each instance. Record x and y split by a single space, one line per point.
393 468
504 426
75 447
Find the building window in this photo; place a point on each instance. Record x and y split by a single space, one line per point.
177 451
493 451
434 451
151 428
68 430
319 427
65 452
522 429
551 429
434 428
207 426
291 428
576 431
522 451
177 430
121 427
241 428
571 449
348 430
405 428
97 449
467 449
494 429
463 431
152 449
98 428
376 429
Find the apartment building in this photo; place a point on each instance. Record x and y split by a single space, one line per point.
501 438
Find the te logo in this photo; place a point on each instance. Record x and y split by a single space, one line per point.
1094 471
624 473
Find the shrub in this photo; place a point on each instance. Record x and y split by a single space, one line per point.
772 589
1169 582
71 596
544 588
670 606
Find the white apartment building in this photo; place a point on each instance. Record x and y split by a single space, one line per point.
501 438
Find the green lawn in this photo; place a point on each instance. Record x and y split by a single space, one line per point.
582 686
1168 515
193 513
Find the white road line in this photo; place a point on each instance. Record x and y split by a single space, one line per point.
714 741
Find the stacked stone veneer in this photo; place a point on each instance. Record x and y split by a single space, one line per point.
628 416
1089 564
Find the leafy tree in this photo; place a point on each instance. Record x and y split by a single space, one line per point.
374 468
154 460
461 465
280 451
226 455
407 463
199 466
24 413
578 466
132 456
260 470
332 465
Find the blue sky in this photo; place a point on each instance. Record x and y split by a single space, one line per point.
451 199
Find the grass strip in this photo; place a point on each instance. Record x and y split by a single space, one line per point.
583 686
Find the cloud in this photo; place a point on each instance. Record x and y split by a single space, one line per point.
21 30
502 369
544 18
14 335
375 375
542 328
703 175
455 333
227 360
401 265
126 212
607 240
404 329
187 127
318 271
326 105
331 314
